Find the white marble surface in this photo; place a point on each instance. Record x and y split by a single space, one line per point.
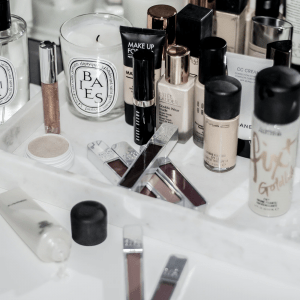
229 231
97 272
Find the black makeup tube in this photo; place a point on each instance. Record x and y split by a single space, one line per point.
134 39
143 96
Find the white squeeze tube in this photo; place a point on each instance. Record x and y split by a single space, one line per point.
245 68
39 231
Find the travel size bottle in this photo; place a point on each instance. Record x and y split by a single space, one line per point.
275 133
231 23
221 123
14 68
212 63
175 93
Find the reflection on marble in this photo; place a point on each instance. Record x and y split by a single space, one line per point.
229 231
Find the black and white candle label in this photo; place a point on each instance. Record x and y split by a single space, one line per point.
93 86
8 82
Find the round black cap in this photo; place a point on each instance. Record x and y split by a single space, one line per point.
212 58
89 223
5 18
267 8
143 75
277 95
223 98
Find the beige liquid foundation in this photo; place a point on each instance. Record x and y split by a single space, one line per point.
221 123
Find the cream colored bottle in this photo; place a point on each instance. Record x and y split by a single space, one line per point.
221 123
175 93
212 63
275 133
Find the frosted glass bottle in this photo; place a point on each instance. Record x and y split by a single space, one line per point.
39 231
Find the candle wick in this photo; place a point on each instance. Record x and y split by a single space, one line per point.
97 39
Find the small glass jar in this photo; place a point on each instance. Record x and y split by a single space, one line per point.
14 68
93 65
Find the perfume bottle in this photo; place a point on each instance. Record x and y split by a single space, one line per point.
275 133
212 63
14 69
231 23
175 93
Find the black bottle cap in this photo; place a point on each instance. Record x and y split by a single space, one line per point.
231 6
193 24
89 223
277 95
212 58
280 52
143 75
5 18
267 8
223 98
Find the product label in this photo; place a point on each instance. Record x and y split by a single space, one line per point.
194 66
93 86
293 16
198 134
273 160
220 142
8 82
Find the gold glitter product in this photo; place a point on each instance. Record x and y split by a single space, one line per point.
48 65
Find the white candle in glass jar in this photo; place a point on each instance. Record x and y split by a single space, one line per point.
136 10
93 64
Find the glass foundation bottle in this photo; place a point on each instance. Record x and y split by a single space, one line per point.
275 133
222 109
231 23
194 23
14 68
175 93
212 63
266 30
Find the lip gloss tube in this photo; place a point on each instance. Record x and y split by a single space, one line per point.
48 66
143 96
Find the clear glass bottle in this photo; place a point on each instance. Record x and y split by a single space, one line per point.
275 133
175 93
39 231
212 63
221 118
14 67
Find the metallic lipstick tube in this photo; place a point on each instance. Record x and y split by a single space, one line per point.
48 66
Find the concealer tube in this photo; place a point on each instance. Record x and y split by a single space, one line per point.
48 67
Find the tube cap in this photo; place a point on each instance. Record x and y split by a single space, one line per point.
89 223
277 95
5 17
193 24
163 17
232 6
267 8
143 75
266 30
212 58
280 52
48 62
177 64
223 98
211 4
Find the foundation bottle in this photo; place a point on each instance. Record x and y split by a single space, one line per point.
231 23
175 93
194 23
212 63
266 30
222 109
275 132
163 17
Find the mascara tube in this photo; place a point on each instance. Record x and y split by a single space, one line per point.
143 96
48 66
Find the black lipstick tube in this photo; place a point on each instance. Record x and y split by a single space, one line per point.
143 96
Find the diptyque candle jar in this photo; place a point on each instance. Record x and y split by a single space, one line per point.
93 64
